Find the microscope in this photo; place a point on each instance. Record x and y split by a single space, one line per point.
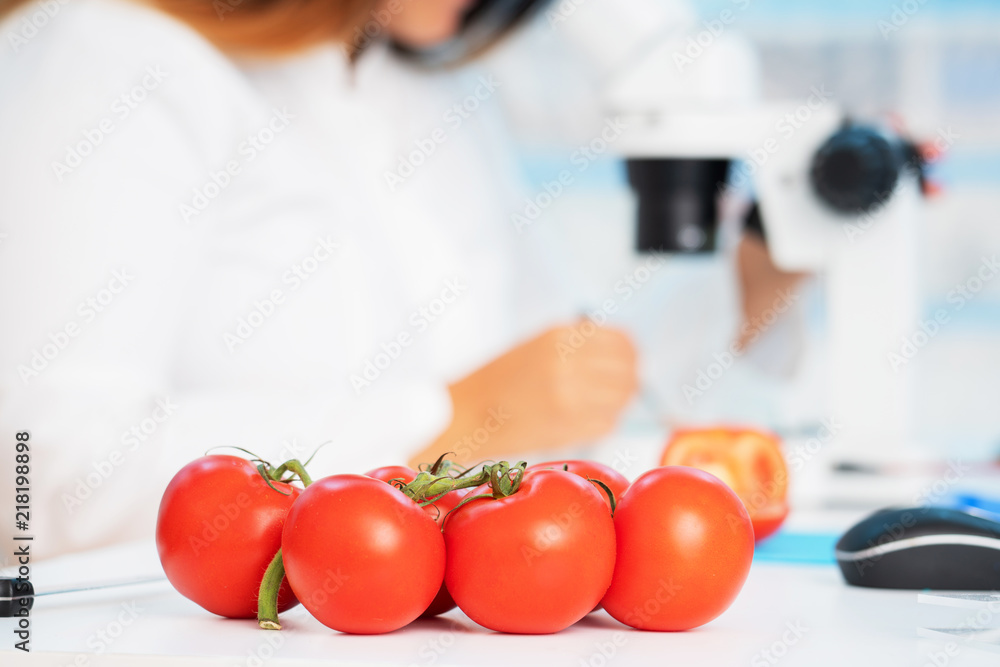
828 194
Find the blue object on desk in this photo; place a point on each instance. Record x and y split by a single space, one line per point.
975 504
802 548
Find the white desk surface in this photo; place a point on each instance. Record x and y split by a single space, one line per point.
837 624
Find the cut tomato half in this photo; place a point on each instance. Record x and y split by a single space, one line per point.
749 461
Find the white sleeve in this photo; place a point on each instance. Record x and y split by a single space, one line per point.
116 302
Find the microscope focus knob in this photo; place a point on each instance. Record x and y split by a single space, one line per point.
856 170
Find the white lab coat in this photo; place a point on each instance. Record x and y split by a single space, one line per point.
444 222
204 271
469 195
551 82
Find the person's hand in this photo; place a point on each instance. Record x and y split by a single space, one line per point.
566 386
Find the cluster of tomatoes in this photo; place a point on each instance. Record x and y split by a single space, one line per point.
518 549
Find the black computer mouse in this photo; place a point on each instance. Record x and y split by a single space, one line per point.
922 547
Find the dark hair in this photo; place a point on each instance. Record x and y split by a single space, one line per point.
485 23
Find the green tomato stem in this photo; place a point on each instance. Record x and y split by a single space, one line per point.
607 490
502 483
270 585
427 487
296 467
267 603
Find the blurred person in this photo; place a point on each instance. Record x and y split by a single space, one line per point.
441 164
187 261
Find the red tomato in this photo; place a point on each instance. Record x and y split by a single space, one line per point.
218 528
747 460
363 557
534 562
591 470
389 473
442 601
685 544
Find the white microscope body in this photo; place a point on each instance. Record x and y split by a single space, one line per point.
688 91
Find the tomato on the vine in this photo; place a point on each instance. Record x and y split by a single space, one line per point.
443 601
218 527
535 561
685 544
749 461
613 479
362 557
439 508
